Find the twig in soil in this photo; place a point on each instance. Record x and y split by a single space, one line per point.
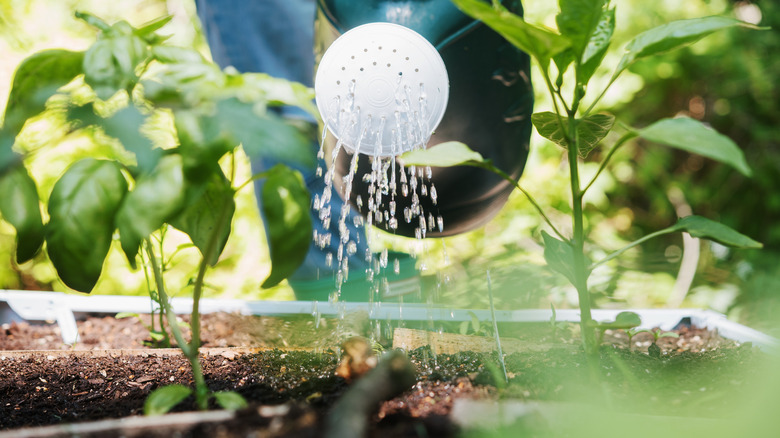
349 417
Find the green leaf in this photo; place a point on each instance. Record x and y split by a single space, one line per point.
173 54
623 320
8 158
559 256
82 207
704 228
212 207
693 136
157 197
126 126
264 135
153 26
668 335
577 20
123 315
19 206
447 154
93 21
597 47
542 44
672 36
110 64
162 400
285 203
36 79
590 130
230 400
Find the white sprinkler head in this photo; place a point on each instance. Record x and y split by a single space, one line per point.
381 89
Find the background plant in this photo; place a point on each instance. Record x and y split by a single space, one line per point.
127 82
585 33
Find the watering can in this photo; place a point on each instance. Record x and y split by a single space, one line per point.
488 105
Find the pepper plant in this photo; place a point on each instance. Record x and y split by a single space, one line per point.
567 59
128 78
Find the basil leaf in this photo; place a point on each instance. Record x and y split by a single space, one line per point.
19 206
285 203
211 209
82 208
157 196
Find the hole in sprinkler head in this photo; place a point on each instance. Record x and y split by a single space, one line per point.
338 82
388 64
394 50
365 50
374 62
361 68
400 73
380 47
416 70
343 68
407 58
353 56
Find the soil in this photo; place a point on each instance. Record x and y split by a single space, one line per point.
295 371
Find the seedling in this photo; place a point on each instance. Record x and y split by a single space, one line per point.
567 59
653 350
623 320
473 326
554 323
127 80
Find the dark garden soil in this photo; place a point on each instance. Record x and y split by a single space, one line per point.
294 370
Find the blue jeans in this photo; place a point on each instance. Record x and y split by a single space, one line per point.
277 37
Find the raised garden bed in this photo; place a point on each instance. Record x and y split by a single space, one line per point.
285 367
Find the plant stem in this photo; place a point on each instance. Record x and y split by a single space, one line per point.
190 351
633 244
578 240
626 137
530 198
201 390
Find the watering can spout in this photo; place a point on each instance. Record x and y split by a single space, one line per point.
476 91
381 89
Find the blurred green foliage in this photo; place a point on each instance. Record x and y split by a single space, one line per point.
727 80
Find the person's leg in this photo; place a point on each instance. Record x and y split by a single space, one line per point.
277 37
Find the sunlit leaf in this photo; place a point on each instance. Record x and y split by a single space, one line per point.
704 228
36 79
126 126
577 20
82 207
590 130
285 203
597 46
674 35
230 400
157 197
542 44
19 207
153 25
173 54
448 154
693 136
111 62
162 400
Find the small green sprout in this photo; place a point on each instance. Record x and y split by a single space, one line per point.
653 350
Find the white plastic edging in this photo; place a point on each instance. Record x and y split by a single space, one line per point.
61 307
